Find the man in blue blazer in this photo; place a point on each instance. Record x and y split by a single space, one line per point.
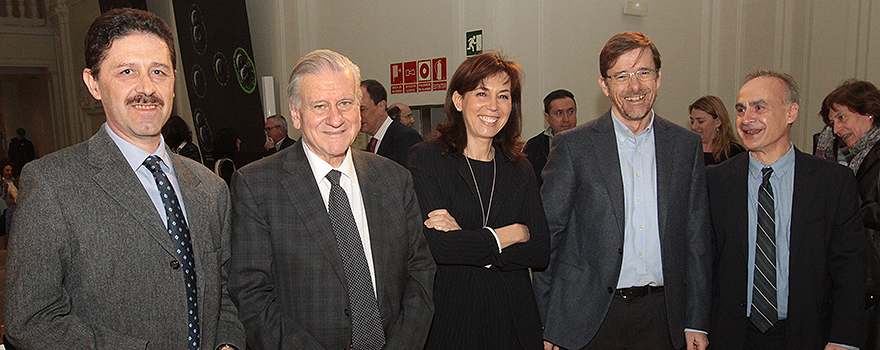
816 272
625 197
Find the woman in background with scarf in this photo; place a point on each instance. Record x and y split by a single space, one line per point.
851 112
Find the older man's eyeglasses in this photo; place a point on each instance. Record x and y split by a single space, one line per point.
641 74
272 127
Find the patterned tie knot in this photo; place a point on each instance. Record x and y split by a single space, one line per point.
333 177
766 172
152 164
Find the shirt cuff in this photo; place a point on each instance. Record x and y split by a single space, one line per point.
495 234
846 346
695 330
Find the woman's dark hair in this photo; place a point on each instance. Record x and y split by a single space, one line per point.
470 74
176 131
859 96
226 143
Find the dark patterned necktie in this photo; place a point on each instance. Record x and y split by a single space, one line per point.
366 327
179 233
372 145
764 306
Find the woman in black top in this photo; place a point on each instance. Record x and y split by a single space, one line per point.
484 222
709 119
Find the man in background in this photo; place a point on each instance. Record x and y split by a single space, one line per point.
560 112
276 134
388 138
406 115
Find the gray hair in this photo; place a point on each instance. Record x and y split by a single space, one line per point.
279 120
320 61
794 95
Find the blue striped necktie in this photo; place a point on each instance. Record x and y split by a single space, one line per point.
764 307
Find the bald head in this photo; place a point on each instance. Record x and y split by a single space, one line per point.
406 115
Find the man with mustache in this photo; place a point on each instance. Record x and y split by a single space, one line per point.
118 243
625 198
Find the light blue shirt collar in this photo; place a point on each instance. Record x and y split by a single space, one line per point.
135 155
621 129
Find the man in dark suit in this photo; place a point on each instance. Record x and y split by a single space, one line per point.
560 112
301 279
789 266
118 243
276 134
388 137
620 192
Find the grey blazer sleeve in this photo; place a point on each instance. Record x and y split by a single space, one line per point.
558 200
699 249
229 328
36 304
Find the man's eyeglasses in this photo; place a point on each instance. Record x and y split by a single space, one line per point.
641 74
272 127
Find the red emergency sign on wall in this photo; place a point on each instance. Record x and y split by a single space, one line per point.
418 76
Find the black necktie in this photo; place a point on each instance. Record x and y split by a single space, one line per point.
764 306
366 329
179 233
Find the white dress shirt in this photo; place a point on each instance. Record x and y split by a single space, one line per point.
349 183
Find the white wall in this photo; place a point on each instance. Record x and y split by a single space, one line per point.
707 46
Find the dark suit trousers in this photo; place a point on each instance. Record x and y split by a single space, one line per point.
774 339
637 324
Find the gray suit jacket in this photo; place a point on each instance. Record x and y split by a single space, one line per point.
287 276
90 265
584 201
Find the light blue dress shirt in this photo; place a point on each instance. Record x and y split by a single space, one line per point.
135 157
642 263
782 181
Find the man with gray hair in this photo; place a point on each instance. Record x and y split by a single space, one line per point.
327 243
276 134
790 263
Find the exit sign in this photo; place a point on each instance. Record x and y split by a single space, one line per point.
474 42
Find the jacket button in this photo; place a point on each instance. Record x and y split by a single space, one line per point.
620 251
610 290
742 303
347 313
175 264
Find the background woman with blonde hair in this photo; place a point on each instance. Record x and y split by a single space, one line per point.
709 119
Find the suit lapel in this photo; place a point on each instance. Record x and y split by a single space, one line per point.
194 198
387 140
115 177
738 197
309 205
464 170
802 199
664 155
373 191
608 162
